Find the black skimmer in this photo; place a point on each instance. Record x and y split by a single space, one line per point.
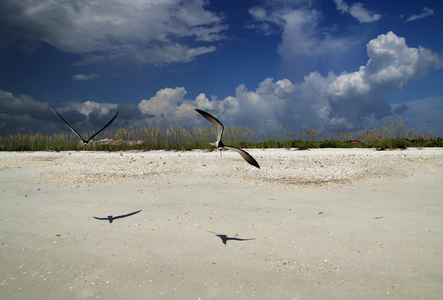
75 131
226 238
219 144
111 218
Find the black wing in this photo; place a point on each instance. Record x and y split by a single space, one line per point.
72 128
214 121
127 215
245 155
101 218
109 123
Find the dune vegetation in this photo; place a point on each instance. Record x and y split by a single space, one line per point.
389 136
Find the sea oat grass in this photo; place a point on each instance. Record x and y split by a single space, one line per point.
391 135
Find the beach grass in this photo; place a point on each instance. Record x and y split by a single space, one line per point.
389 136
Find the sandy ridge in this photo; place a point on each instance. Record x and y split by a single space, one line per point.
287 167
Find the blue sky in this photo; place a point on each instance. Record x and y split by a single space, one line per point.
329 64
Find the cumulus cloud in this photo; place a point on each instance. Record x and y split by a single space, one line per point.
148 31
359 95
275 103
283 103
351 100
425 13
85 77
346 101
357 11
166 106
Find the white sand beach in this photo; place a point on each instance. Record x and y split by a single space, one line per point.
315 224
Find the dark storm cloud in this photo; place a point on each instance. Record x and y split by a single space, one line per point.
400 109
149 32
129 111
24 105
71 115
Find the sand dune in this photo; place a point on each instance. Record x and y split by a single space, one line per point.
324 223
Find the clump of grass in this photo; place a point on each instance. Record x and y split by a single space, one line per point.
304 144
331 144
271 144
391 144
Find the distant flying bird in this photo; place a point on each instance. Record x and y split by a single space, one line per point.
75 131
219 144
225 238
111 218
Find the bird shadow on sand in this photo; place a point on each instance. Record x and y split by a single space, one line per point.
226 238
112 218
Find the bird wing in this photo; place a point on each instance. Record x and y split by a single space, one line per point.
103 128
127 215
214 121
245 155
101 218
72 128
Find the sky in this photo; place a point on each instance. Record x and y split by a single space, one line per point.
322 64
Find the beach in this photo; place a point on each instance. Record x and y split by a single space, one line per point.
312 224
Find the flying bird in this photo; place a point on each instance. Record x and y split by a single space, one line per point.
219 144
75 131
226 238
111 218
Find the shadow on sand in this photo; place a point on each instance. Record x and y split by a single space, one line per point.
226 238
111 218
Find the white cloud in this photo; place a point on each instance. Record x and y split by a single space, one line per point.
301 37
353 100
85 77
164 103
168 107
357 11
358 95
305 43
425 13
147 31
89 107
342 6
349 101
266 22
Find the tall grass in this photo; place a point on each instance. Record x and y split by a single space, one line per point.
388 136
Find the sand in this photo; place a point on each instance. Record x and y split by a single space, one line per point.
316 224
